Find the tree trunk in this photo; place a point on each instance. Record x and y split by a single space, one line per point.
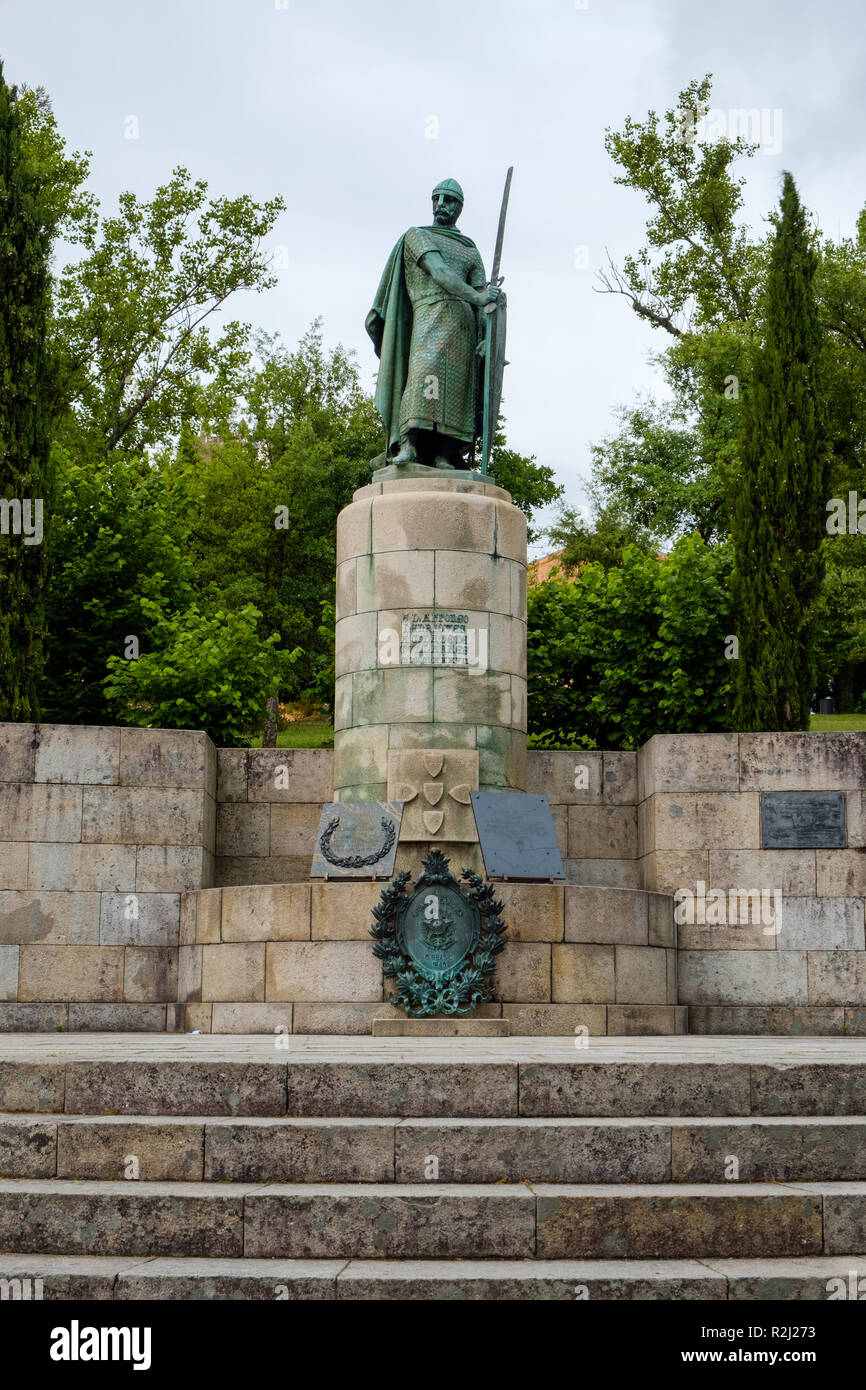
269 737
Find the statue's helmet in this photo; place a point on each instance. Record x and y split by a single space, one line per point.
449 186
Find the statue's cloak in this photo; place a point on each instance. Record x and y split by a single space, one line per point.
389 324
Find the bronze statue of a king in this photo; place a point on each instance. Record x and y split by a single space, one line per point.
428 330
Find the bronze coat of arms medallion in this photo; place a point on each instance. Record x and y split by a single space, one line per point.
438 942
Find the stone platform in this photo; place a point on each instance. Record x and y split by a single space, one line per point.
149 881
71 1049
395 1168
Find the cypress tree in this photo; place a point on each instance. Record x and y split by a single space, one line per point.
779 499
25 244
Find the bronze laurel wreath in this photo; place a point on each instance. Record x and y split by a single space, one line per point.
356 861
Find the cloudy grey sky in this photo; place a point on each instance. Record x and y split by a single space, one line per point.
329 102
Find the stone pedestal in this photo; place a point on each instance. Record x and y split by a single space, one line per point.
430 648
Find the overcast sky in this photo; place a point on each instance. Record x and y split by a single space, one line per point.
332 104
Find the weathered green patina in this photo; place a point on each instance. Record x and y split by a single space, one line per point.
429 333
441 941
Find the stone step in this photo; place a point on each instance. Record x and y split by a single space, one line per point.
446 1221
440 1028
381 1150
107 1278
453 1077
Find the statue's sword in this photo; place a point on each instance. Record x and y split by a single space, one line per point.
490 309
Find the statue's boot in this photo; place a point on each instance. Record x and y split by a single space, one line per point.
443 461
408 453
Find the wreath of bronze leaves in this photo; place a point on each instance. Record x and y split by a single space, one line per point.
356 861
473 982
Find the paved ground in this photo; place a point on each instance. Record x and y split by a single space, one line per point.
299 1047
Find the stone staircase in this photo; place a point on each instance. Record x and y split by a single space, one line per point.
161 1167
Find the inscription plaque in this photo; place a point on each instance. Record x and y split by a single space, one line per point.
435 637
517 836
357 839
803 820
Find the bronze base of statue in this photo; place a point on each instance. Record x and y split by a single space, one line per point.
432 449
384 472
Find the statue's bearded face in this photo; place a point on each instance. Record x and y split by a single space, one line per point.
446 209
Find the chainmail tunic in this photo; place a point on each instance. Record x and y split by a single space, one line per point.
440 389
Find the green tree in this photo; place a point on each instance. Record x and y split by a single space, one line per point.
780 492
25 389
602 541
267 495
65 203
840 288
211 671
700 278
621 653
649 472
699 268
840 636
131 314
136 367
121 532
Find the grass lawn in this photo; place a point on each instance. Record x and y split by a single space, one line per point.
305 733
820 722
312 733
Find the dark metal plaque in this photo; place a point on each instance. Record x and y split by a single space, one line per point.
517 836
803 820
357 839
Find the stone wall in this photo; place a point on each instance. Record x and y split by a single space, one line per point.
593 801
101 830
700 823
110 888
298 957
269 801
